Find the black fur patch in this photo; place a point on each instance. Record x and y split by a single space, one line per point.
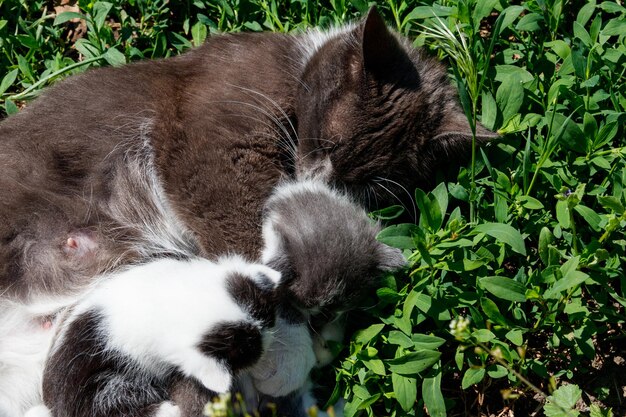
239 344
257 299
82 380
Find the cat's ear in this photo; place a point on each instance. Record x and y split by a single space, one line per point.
380 48
455 128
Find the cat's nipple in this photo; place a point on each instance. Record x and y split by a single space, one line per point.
80 244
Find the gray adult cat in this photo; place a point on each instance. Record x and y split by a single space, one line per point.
120 164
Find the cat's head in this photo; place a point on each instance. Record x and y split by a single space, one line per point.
325 247
374 110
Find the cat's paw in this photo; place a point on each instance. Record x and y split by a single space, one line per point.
38 411
168 409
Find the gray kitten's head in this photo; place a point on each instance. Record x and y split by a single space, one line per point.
324 245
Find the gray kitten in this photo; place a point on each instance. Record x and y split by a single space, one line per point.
325 247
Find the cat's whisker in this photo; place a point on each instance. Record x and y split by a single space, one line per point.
277 106
403 188
317 150
270 116
395 196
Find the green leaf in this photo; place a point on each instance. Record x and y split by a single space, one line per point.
510 96
590 216
388 213
441 195
491 310
530 22
365 335
66 17
376 366
100 12
615 27
496 371
504 288
611 203
433 397
424 341
430 211
562 214
198 33
516 337
504 233
489 111
560 47
483 335
569 281
513 73
585 13
10 107
472 376
562 401
398 236
509 15
425 12
545 239
415 362
399 338
405 389
114 57
8 80
530 202
596 411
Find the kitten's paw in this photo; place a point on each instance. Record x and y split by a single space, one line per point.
168 409
38 411
209 372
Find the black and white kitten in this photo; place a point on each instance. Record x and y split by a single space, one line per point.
122 349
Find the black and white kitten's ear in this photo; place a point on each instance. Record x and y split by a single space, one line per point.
390 259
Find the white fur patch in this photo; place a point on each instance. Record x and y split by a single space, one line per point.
157 313
168 409
25 337
313 40
285 366
38 411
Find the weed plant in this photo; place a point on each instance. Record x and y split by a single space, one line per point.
514 300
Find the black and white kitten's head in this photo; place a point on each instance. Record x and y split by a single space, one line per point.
324 245
372 109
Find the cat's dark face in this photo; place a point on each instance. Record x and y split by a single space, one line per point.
373 110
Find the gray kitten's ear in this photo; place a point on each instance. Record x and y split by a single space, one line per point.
390 258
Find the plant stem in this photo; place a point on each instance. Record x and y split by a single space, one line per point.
53 75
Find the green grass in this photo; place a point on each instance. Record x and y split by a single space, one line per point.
516 293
